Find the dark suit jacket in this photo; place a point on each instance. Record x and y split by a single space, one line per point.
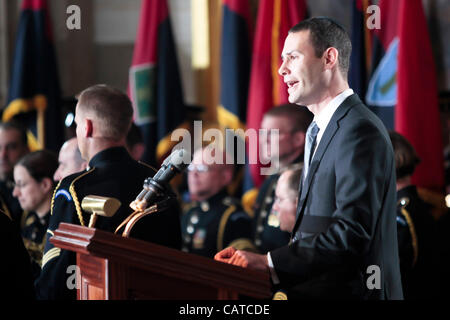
346 216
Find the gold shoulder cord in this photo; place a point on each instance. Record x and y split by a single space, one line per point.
222 225
75 197
412 230
53 197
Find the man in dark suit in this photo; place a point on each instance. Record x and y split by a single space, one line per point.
344 243
103 116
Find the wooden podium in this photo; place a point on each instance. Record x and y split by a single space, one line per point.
113 267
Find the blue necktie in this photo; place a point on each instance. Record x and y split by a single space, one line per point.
310 144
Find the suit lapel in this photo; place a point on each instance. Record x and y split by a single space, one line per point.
328 135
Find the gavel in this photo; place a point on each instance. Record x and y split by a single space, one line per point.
99 206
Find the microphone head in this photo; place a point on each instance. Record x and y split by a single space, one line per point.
180 159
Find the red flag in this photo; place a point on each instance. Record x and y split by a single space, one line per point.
417 110
275 18
154 80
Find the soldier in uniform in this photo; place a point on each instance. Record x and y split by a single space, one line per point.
34 185
292 123
416 228
213 220
103 117
13 146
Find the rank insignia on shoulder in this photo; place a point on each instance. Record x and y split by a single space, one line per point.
63 193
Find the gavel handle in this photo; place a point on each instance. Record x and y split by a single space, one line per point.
92 220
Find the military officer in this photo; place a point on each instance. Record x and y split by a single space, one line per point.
13 146
103 116
416 228
292 123
213 220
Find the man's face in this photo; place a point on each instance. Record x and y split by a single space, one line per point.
68 164
11 150
285 138
301 69
285 203
205 180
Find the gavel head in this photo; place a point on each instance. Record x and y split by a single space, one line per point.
102 206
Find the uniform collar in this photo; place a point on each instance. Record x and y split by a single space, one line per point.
213 200
115 154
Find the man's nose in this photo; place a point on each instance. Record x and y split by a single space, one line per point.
282 71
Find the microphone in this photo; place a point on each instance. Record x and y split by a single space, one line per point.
154 187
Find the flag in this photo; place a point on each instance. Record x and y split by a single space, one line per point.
417 111
235 63
381 94
360 58
405 77
155 82
266 88
34 93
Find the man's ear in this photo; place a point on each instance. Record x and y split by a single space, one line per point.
88 128
331 57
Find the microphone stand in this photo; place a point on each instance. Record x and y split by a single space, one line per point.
133 218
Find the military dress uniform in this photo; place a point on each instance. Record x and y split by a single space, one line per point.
111 173
416 232
267 234
34 230
214 224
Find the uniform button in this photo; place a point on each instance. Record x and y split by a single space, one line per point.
269 200
194 219
258 242
260 228
190 229
204 206
263 213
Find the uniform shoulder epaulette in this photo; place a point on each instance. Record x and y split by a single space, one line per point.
66 188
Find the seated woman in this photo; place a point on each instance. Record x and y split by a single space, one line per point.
34 185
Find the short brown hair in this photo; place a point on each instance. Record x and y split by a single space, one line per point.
111 107
324 33
40 164
406 158
299 116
